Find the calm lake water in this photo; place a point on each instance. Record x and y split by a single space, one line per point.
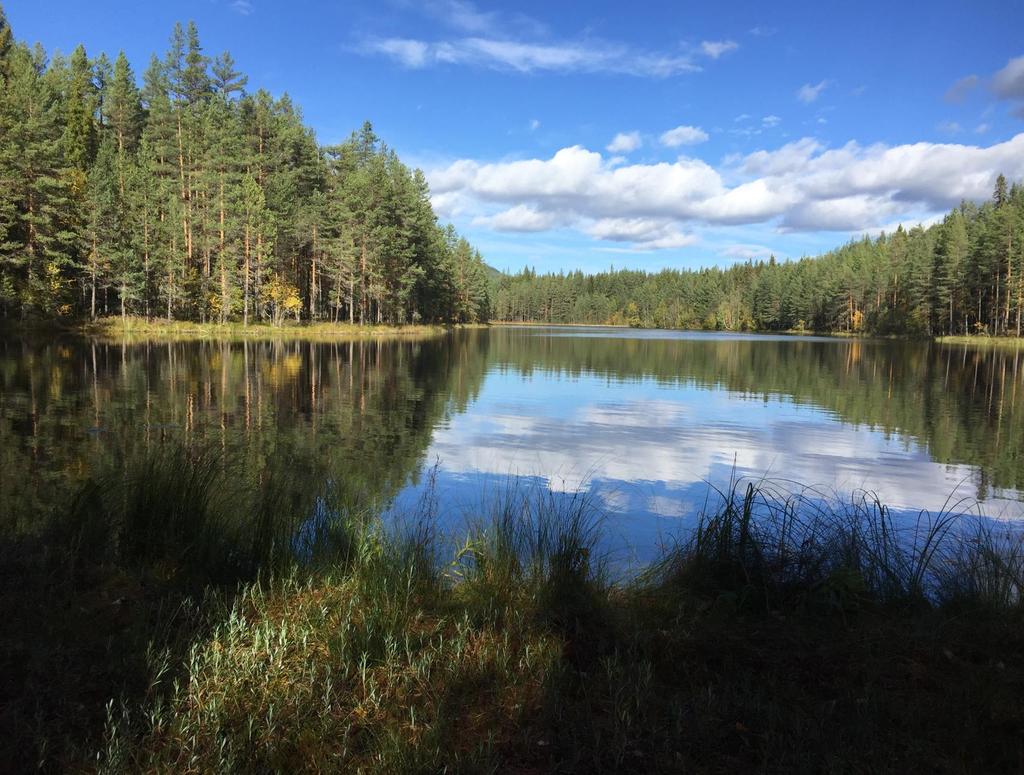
642 421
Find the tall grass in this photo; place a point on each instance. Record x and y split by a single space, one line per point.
117 327
776 547
264 632
189 511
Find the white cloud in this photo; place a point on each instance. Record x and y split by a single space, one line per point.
462 15
800 186
847 213
624 142
746 251
1008 83
243 7
411 53
950 127
526 57
789 158
981 128
520 218
717 48
649 233
683 135
534 124
771 121
906 223
465 16
809 93
763 32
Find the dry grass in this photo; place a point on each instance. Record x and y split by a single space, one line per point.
118 328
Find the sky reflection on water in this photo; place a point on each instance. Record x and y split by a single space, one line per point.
648 448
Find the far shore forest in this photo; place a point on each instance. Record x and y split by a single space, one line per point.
188 198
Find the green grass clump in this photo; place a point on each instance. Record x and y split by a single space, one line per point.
787 632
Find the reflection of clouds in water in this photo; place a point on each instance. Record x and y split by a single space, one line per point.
655 414
575 434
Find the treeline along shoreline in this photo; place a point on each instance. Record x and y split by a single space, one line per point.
190 199
962 276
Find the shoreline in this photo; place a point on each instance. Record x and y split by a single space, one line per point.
974 340
112 327
135 327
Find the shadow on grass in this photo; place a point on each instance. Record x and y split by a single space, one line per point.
185 614
141 562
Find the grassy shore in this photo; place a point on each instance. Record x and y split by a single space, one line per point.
529 323
1009 342
116 327
132 327
175 619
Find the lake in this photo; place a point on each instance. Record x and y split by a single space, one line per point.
643 422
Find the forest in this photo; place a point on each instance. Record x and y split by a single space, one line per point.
192 199
189 198
964 275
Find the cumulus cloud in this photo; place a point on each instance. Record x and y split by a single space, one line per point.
961 88
683 135
789 158
808 93
1008 83
771 121
520 218
525 57
847 213
624 142
717 48
800 186
649 233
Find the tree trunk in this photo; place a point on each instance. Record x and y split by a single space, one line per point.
245 281
223 260
312 281
92 305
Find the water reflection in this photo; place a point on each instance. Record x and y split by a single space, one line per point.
644 420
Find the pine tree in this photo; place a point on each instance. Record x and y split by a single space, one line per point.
124 107
112 250
950 257
80 105
41 247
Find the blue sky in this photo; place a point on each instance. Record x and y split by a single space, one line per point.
646 135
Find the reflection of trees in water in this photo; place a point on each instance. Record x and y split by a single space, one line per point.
358 414
966 404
